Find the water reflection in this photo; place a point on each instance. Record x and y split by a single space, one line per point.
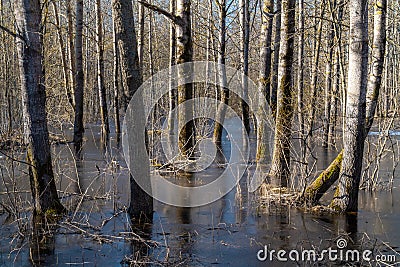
42 240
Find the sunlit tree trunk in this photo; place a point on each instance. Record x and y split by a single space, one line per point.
185 89
79 88
116 82
346 196
280 168
30 56
172 61
264 80
220 116
71 50
378 55
105 127
141 204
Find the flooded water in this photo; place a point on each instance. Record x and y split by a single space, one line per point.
229 232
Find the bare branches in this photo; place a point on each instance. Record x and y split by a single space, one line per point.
10 32
173 18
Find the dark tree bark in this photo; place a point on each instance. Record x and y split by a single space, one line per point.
79 88
245 44
141 204
30 57
264 80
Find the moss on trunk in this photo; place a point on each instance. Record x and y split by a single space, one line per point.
317 189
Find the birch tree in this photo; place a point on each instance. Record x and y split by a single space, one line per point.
346 196
347 165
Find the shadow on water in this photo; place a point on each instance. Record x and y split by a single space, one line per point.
230 231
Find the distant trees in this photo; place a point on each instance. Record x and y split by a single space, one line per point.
28 16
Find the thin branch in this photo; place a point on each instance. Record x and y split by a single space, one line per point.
10 32
173 18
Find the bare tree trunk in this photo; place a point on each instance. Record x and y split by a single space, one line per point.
328 80
264 81
71 49
116 83
78 123
300 73
346 196
275 66
280 168
245 43
172 61
220 116
378 55
334 98
185 89
64 60
300 93
141 204
105 127
182 21
141 35
30 54
338 69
